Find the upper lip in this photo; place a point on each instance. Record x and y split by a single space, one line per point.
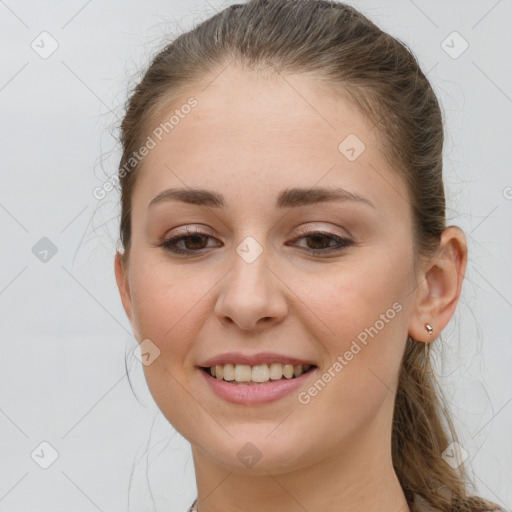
254 359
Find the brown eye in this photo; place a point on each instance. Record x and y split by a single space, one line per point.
192 241
321 242
318 242
196 241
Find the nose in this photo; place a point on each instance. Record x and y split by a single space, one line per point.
252 295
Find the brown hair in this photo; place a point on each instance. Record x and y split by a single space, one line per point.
339 46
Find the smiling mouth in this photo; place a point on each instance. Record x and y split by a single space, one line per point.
242 374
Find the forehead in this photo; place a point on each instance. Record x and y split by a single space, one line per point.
251 107
278 131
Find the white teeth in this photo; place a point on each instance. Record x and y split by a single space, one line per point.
229 372
288 371
260 373
275 371
245 373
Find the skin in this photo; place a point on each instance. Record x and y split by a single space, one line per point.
249 138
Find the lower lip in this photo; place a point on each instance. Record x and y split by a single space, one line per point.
256 393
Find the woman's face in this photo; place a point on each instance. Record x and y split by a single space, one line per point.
275 272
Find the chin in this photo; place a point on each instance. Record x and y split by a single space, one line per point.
252 451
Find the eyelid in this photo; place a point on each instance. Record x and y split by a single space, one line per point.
187 230
309 229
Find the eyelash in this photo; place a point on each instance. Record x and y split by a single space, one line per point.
343 243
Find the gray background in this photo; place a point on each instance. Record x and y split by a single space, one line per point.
64 332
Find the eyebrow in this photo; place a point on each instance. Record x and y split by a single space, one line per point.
288 198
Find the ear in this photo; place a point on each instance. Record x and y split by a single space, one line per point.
439 286
121 272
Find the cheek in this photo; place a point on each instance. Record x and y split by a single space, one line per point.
363 333
169 308
167 303
360 317
351 296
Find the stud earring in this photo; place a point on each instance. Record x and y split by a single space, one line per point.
429 328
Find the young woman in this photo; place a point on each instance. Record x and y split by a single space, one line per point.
285 262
